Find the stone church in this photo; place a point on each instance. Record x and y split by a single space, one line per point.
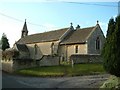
66 44
63 42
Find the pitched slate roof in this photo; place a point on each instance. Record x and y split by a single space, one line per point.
22 47
43 37
78 36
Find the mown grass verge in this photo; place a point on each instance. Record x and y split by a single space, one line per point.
113 83
63 70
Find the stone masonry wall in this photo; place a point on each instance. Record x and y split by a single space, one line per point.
24 64
49 61
7 66
13 65
86 59
92 41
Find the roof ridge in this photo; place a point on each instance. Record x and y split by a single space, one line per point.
44 36
48 31
88 27
81 33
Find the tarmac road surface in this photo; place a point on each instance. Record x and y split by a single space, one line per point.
15 81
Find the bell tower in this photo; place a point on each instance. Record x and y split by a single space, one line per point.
24 30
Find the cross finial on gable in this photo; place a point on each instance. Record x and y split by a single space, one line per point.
97 22
71 23
71 26
25 20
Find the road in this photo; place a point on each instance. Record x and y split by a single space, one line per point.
10 81
15 81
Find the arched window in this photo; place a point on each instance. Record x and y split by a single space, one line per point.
52 48
97 43
76 49
35 46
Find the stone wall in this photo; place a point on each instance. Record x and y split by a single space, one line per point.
86 58
68 50
23 64
92 41
7 66
49 61
13 65
43 48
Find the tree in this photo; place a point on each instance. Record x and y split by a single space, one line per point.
0 45
111 27
111 50
4 41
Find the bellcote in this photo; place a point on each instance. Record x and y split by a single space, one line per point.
24 30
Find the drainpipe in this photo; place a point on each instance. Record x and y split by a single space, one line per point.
66 52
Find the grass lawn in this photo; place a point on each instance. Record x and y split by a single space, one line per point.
113 83
63 70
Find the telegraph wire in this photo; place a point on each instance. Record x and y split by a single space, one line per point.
11 17
58 1
36 24
90 4
21 20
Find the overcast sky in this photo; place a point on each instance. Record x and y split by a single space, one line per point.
51 15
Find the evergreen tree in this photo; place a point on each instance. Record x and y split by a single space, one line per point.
5 43
0 45
117 48
111 50
111 27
